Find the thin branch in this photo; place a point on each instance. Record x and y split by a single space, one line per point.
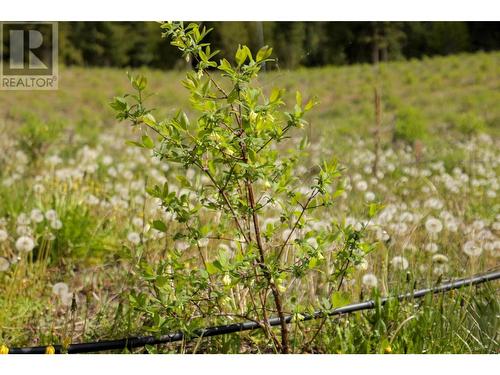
226 199
314 193
284 130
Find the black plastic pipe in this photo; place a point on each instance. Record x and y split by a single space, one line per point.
135 342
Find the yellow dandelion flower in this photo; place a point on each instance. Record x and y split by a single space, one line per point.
4 349
50 350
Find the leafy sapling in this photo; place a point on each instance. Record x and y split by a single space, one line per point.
246 217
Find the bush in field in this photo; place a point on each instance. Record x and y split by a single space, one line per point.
237 189
469 124
409 126
35 135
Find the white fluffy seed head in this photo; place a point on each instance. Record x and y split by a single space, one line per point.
181 245
361 185
369 196
369 280
134 238
66 299
439 258
432 247
3 235
56 224
137 222
51 215
36 215
472 249
399 263
433 225
4 264
25 244
60 289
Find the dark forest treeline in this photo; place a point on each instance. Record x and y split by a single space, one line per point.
295 43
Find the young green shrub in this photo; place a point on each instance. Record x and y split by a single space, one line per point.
469 124
246 237
410 125
35 135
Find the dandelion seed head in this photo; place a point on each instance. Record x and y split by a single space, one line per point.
138 222
134 238
66 299
432 247
361 185
369 196
3 235
369 280
439 258
472 249
4 264
399 263
60 288
478 225
181 245
433 226
56 224
451 226
440 269
36 215
107 160
51 215
23 219
92 200
25 244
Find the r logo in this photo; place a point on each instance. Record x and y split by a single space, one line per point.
35 41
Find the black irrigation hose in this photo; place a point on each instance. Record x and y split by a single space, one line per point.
135 342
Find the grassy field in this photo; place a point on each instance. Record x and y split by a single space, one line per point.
75 214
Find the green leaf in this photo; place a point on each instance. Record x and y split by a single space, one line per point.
218 262
225 66
147 142
276 95
310 104
149 120
211 269
298 98
373 208
252 155
162 281
241 55
119 103
248 53
203 56
134 143
139 83
264 53
183 180
184 120
233 95
313 262
339 299
160 225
